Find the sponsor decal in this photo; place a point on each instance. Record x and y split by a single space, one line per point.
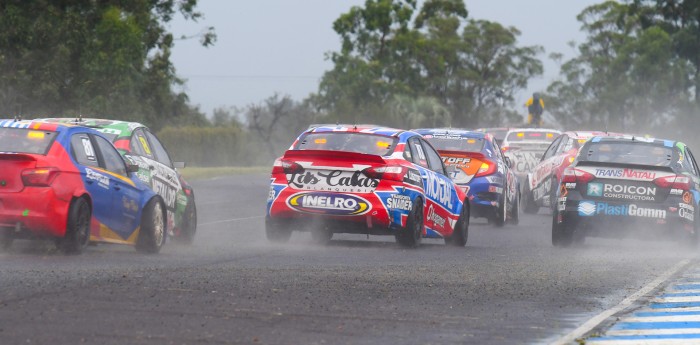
102 180
630 174
561 204
687 198
399 202
676 191
329 203
686 211
130 204
619 191
524 162
456 161
271 194
164 189
333 181
494 189
435 218
589 208
438 192
413 177
570 185
494 179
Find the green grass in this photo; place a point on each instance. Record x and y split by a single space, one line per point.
194 173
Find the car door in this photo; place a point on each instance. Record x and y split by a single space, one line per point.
97 184
541 177
439 191
694 174
510 185
124 193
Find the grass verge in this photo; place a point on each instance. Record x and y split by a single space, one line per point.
195 173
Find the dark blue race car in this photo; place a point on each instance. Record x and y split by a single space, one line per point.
480 169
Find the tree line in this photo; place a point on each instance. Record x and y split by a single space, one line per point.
400 64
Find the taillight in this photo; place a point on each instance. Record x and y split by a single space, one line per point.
283 166
486 168
42 177
386 172
673 181
505 148
575 175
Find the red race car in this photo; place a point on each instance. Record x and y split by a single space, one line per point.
541 184
366 180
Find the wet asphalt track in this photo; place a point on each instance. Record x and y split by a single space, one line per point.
508 286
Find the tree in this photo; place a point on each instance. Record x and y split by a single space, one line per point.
108 58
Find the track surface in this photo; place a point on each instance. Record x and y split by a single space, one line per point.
509 285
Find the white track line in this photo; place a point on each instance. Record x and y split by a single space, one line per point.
228 220
596 320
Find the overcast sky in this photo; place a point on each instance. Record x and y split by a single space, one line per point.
268 46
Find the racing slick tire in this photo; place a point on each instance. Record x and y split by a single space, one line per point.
6 238
411 235
515 211
530 206
78 227
276 231
501 213
189 225
553 195
152 235
562 236
461 232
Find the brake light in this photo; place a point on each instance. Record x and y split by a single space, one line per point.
284 166
505 148
673 181
386 172
575 175
486 168
42 177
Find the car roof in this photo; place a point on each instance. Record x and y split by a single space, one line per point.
634 139
534 130
368 129
452 132
32 124
91 122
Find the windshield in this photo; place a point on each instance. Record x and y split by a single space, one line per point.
628 152
22 140
456 144
349 142
525 136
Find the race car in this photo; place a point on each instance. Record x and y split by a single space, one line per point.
481 170
525 147
69 183
139 145
366 180
618 185
540 187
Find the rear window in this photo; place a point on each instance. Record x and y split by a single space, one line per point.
349 142
531 136
628 152
23 140
456 144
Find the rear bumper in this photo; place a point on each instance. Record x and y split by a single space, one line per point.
35 211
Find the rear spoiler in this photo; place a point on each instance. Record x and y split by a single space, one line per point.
11 156
327 154
624 165
462 153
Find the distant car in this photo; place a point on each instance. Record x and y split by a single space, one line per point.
366 180
631 184
70 183
525 147
540 187
499 133
140 146
481 170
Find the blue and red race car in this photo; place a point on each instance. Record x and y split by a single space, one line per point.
366 180
481 170
69 183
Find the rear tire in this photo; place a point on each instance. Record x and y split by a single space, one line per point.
501 213
530 206
461 232
152 235
411 235
78 227
562 236
276 231
515 211
189 225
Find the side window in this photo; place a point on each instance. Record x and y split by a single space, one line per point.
419 156
161 153
140 145
497 150
433 159
112 159
552 148
407 155
566 144
82 150
692 160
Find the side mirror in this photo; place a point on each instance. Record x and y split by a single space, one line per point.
509 162
132 168
178 165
